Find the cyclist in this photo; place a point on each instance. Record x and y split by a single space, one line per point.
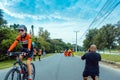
69 52
92 63
39 53
73 53
35 53
26 41
65 52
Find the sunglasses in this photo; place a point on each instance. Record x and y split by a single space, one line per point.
20 30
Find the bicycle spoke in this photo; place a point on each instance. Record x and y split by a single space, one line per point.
33 70
13 75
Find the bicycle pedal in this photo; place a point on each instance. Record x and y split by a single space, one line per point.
21 72
25 78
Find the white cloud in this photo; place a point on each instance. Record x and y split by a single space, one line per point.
72 20
10 2
57 30
10 13
35 17
65 30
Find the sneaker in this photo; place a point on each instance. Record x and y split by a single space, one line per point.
29 79
21 72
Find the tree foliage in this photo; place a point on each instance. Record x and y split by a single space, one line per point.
44 41
2 21
105 37
90 38
7 36
118 33
14 26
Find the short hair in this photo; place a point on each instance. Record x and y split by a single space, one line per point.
93 47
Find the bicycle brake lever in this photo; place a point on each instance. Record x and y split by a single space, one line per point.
10 54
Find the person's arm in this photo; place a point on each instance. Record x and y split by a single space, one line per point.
83 57
13 45
99 57
29 43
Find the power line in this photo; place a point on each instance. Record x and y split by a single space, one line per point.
106 8
109 13
110 8
94 20
99 13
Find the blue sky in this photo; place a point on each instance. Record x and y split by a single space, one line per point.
60 17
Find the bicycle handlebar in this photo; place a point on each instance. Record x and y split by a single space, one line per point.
17 53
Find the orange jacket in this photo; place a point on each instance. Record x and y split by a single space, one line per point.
25 41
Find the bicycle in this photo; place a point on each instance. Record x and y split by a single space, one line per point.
18 66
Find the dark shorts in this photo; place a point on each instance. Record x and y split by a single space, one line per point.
35 55
29 56
88 73
39 55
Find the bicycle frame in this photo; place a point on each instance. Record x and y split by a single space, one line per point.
19 62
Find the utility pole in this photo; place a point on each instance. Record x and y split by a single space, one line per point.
73 45
76 39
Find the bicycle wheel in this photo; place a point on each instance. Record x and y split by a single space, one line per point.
13 74
25 72
33 71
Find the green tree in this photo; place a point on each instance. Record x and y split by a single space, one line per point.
40 31
58 45
90 38
6 39
42 38
14 26
32 27
2 21
105 37
118 33
69 46
41 43
46 35
110 33
100 40
44 41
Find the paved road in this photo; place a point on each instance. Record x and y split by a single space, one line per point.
58 67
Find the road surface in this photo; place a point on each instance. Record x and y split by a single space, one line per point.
58 67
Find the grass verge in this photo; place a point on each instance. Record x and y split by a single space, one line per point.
9 63
109 57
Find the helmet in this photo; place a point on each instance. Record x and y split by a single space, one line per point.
23 27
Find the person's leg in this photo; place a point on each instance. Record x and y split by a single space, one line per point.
85 75
21 57
34 58
28 63
39 57
94 77
85 78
